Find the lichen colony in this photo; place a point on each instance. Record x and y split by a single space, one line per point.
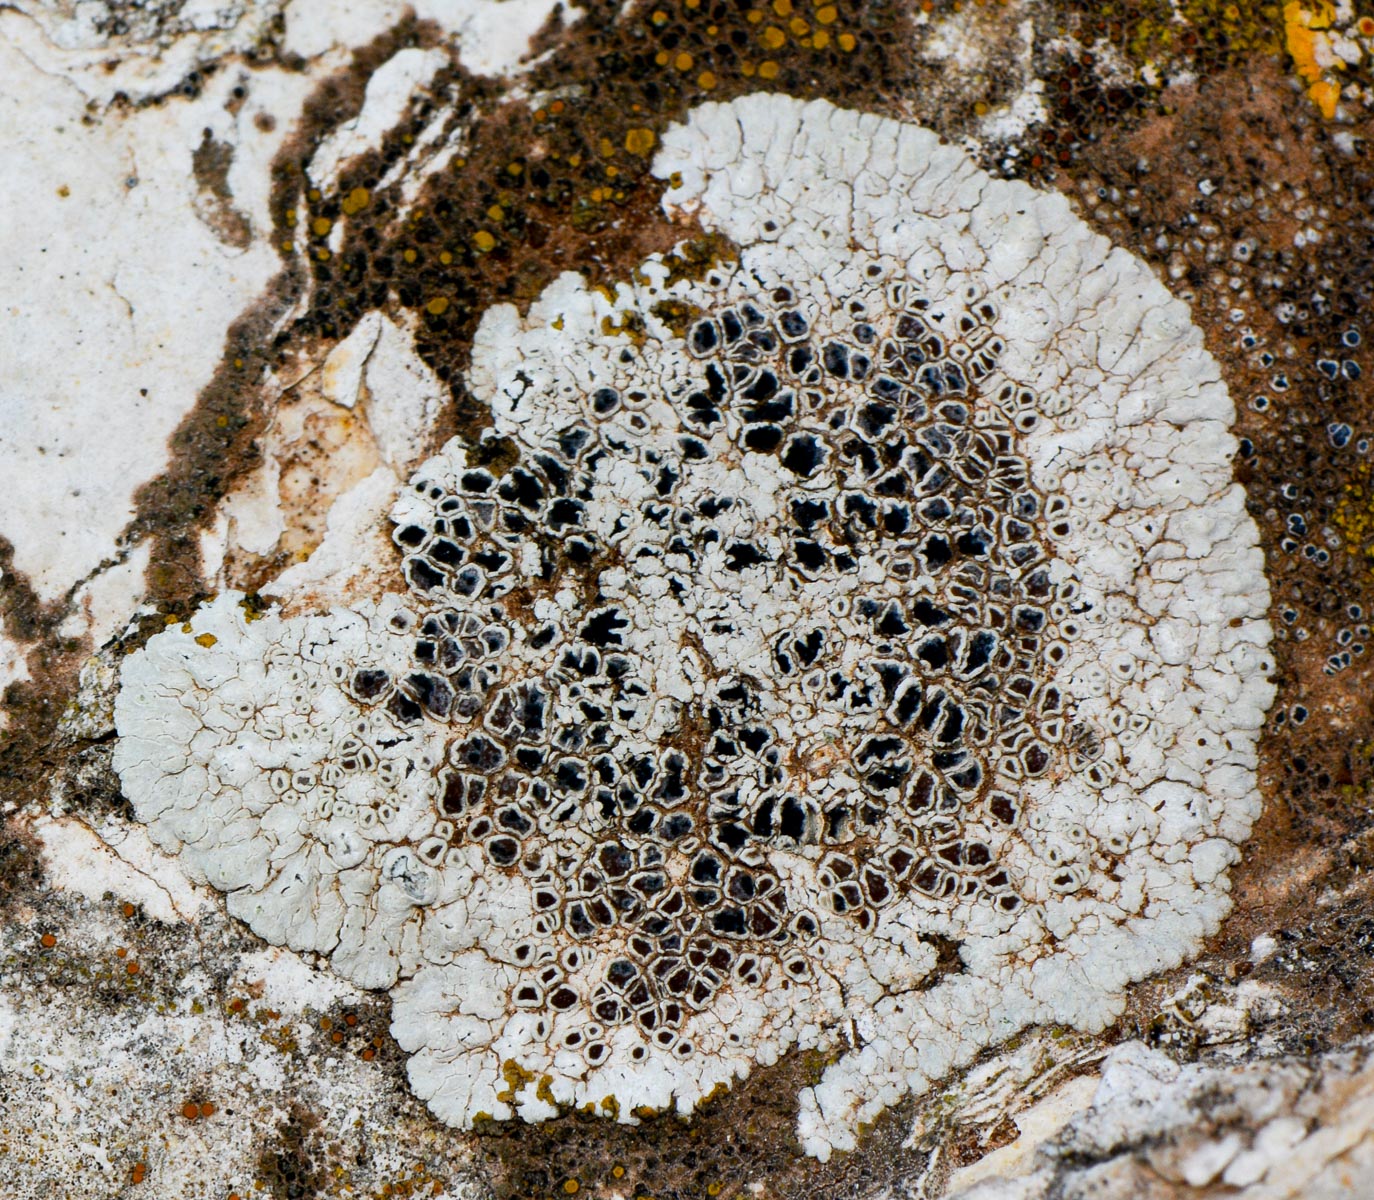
860 648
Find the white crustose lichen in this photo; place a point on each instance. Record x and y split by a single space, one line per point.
859 648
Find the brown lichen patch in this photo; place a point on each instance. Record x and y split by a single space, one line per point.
210 163
732 1146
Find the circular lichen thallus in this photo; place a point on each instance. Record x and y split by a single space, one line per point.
860 648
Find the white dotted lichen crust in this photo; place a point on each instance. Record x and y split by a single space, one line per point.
860 648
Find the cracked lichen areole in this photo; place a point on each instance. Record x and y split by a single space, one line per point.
862 649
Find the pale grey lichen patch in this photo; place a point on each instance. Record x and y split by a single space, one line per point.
885 591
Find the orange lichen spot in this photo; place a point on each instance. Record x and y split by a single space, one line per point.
612 171
235 1005
798 27
64 191
121 952
640 141
409 255
847 42
207 1109
827 15
132 968
557 107
693 3
206 640
747 68
706 80
190 1110
782 7
659 17
326 1024
714 1188
768 69
661 58
683 62
1365 25
618 1172
1325 94
368 1055
437 307
571 1187
47 941
313 194
322 254
321 225
140 1172
820 40
286 245
222 421
445 257
351 1020
980 108
755 17
773 37
483 240
496 213
128 909
515 169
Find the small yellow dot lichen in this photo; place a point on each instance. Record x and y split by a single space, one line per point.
321 226
847 42
409 255
483 240
827 15
207 640
773 37
640 141
768 70
683 62
706 80
496 213
355 201
438 306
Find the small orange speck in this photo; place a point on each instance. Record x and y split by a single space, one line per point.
798 27
190 1111
827 15
47 941
207 1109
321 226
409 255
483 240
782 7
768 69
618 1171
684 61
981 108
351 1020
659 17
773 37
445 257
821 39
368 1055
336 1037
132 968
714 1189
206 640
571 1187
121 952
661 58
755 17
64 191
313 194
515 168
747 68
706 80
1366 26
541 114
326 1024
557 107
847 42
322 254
286 245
